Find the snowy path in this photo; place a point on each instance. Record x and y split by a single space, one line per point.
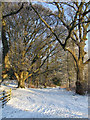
46 103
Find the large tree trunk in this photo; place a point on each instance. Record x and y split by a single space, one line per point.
37 82
5 46
21 82
30 82
80 82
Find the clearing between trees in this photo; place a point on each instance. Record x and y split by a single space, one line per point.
45 103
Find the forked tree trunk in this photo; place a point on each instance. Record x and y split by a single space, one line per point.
21 82
80 82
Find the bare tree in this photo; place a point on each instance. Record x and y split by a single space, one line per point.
28 45
8 9
77 27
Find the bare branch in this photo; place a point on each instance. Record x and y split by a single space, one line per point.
70 5
87 61
47 25
60 13
75 41
75 18
37 70
86 12
81 23
72 53
88 31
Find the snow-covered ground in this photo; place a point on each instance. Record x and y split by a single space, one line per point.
45 103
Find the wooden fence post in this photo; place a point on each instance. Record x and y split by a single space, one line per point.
3 98
6 96
10 92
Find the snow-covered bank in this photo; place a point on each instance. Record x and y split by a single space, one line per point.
45 103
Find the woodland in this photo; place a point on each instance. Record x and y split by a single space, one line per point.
45 44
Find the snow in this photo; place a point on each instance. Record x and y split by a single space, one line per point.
45 103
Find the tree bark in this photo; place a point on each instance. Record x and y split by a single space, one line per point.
5 46
4 39
21 84
30 82
80 82
37 82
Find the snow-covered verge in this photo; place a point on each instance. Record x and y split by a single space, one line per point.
45 103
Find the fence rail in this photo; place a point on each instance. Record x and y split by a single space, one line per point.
5 96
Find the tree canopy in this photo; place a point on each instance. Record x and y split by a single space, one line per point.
38 42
